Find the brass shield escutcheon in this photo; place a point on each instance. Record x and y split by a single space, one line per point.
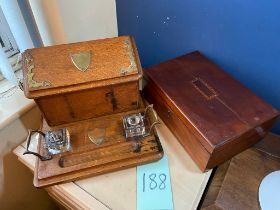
96 135
81 60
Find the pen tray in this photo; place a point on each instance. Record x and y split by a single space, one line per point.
88 158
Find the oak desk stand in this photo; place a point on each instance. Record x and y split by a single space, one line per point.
117 190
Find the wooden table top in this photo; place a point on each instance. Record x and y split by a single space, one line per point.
235 184
117 190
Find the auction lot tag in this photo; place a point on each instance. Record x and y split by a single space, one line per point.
154 187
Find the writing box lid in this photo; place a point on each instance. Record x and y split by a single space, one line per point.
204 96
77 66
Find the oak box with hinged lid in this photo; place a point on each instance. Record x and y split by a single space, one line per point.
78 81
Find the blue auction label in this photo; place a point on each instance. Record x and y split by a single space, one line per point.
154 187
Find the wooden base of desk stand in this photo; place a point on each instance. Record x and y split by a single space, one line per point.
88 159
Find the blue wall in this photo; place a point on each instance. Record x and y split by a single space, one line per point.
242 36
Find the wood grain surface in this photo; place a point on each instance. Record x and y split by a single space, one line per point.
88 159
222 115
235 183
72 95
53 64
81 105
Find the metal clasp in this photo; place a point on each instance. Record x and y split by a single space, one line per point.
154 114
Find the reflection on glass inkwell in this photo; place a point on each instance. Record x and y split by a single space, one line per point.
137 125
134 126
55 142
58 141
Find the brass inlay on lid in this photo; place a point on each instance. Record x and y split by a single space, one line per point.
30 74
81 60
132 66
204 88
97 135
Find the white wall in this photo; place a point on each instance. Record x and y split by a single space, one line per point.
88 19
47 18
66 21
16 23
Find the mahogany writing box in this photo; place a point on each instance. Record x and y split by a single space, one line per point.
212 115
83 80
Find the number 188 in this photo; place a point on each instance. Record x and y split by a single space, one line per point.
153 182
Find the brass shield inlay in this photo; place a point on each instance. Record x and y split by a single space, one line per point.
81 60
96 135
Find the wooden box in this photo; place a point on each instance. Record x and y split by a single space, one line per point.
212 115
79 81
